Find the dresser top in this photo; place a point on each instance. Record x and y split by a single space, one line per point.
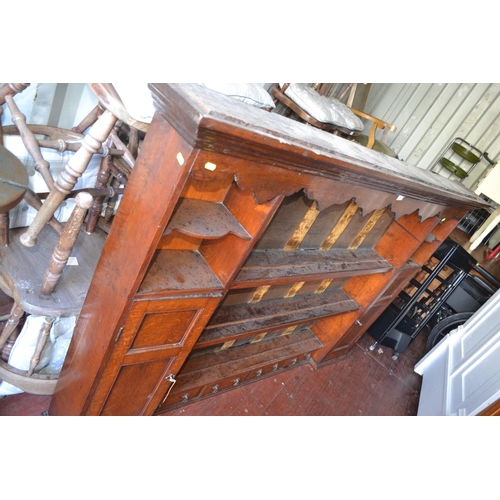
211 121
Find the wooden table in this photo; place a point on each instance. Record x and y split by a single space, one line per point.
245 244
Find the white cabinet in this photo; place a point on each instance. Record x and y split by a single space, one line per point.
461 375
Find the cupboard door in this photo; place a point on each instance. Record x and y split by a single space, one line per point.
149 350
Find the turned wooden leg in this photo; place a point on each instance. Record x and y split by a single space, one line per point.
64 184
110 207
11 89
32 199
133 142
42 340
15 315
89 120
101 182
30 142
4 229
66 242
7 348
1 128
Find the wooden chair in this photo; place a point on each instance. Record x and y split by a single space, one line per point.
31 274
370 140
320 95
33 268
320 111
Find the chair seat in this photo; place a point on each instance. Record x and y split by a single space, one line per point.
12 171
22 270
323 109
377 146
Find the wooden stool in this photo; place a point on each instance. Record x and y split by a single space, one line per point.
32 277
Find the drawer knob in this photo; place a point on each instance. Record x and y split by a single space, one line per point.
215 389
275 368
185 398
294 360
358 322
236 382
259 373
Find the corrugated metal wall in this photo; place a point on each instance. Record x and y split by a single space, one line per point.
429 116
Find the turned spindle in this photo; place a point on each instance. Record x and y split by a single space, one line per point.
4 229
101 182
30 142
66 242
89 120
66 181
42 340
15 316
11 89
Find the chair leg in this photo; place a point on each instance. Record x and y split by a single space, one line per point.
42 340
30 142
4 229
66 242
110 207
15 316
66 181
7 348
102 181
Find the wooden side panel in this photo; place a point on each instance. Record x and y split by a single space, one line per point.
157 336
127 396
159 174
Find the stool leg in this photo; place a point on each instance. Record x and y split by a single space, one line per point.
66 181
4 229
15 316
42 340
7 348
66 242
101 182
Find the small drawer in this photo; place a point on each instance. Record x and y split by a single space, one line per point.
220 385
265 370
181 397
290 363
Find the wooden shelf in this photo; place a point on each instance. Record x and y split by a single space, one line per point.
251 337
215 372
178 271
282 266
204 219
240 320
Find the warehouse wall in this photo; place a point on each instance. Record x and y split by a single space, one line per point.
430 115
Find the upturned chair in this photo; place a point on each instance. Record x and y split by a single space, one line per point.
320 111
315 105
35 268
37 276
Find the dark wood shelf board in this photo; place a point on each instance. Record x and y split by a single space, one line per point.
201 370
204 219
179 271
282 266
231 322
211 339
